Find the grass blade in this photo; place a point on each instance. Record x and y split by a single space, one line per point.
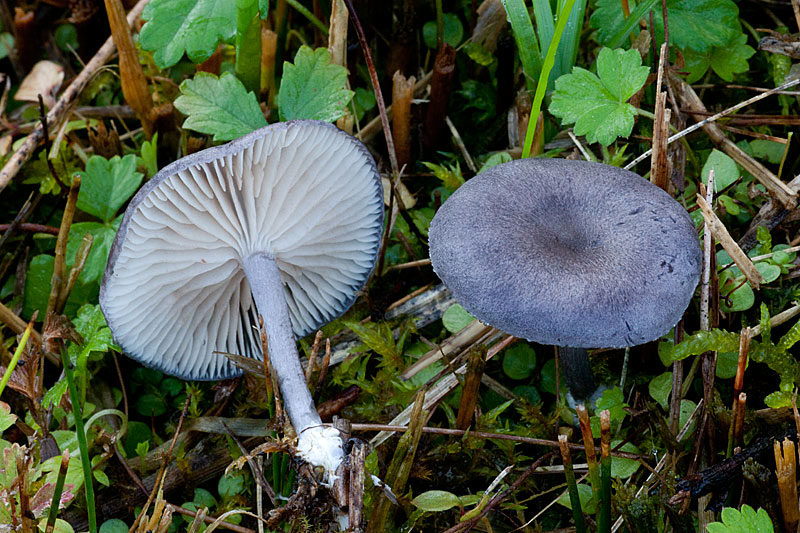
79 432
541 87
528 46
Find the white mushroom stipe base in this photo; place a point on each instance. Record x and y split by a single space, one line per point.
284 222
568 253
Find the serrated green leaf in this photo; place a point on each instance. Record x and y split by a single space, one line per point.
697 24
436 501
312 88
221 107
91 325
193 26
106 184
597 104
745 521
726 61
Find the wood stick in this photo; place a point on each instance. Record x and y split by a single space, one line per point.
64 105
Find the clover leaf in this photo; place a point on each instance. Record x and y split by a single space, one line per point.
597 103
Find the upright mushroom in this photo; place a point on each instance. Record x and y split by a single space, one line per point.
284 222
568 253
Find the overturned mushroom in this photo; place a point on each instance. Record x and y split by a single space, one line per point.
284 222
568 253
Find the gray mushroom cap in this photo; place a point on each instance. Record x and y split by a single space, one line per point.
567 253
304 193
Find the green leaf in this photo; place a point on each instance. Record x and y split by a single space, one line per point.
91 325
456 318
660 387
101 477
436 501
519 361
37 289
230 485
194 26
686 410
588 503
622 467
730 205
107 184
101 246
221 107
527 44
726 172
151 405
737 296
204 498
727 364
699 24
771 151
7 419
149 154
725 60
745 521
452 35
312 88
115 525
696 24
597 104
248 44
6 44
495 159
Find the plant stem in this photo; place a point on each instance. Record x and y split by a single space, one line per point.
572 486
79 432
16 356
604 509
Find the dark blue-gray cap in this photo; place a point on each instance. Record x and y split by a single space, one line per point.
567 253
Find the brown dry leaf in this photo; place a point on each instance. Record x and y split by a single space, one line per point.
45 78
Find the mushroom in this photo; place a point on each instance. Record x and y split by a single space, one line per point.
568 253
284 222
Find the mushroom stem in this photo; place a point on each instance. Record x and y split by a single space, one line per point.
577 372
317 444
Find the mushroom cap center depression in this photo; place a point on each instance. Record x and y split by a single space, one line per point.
586 256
